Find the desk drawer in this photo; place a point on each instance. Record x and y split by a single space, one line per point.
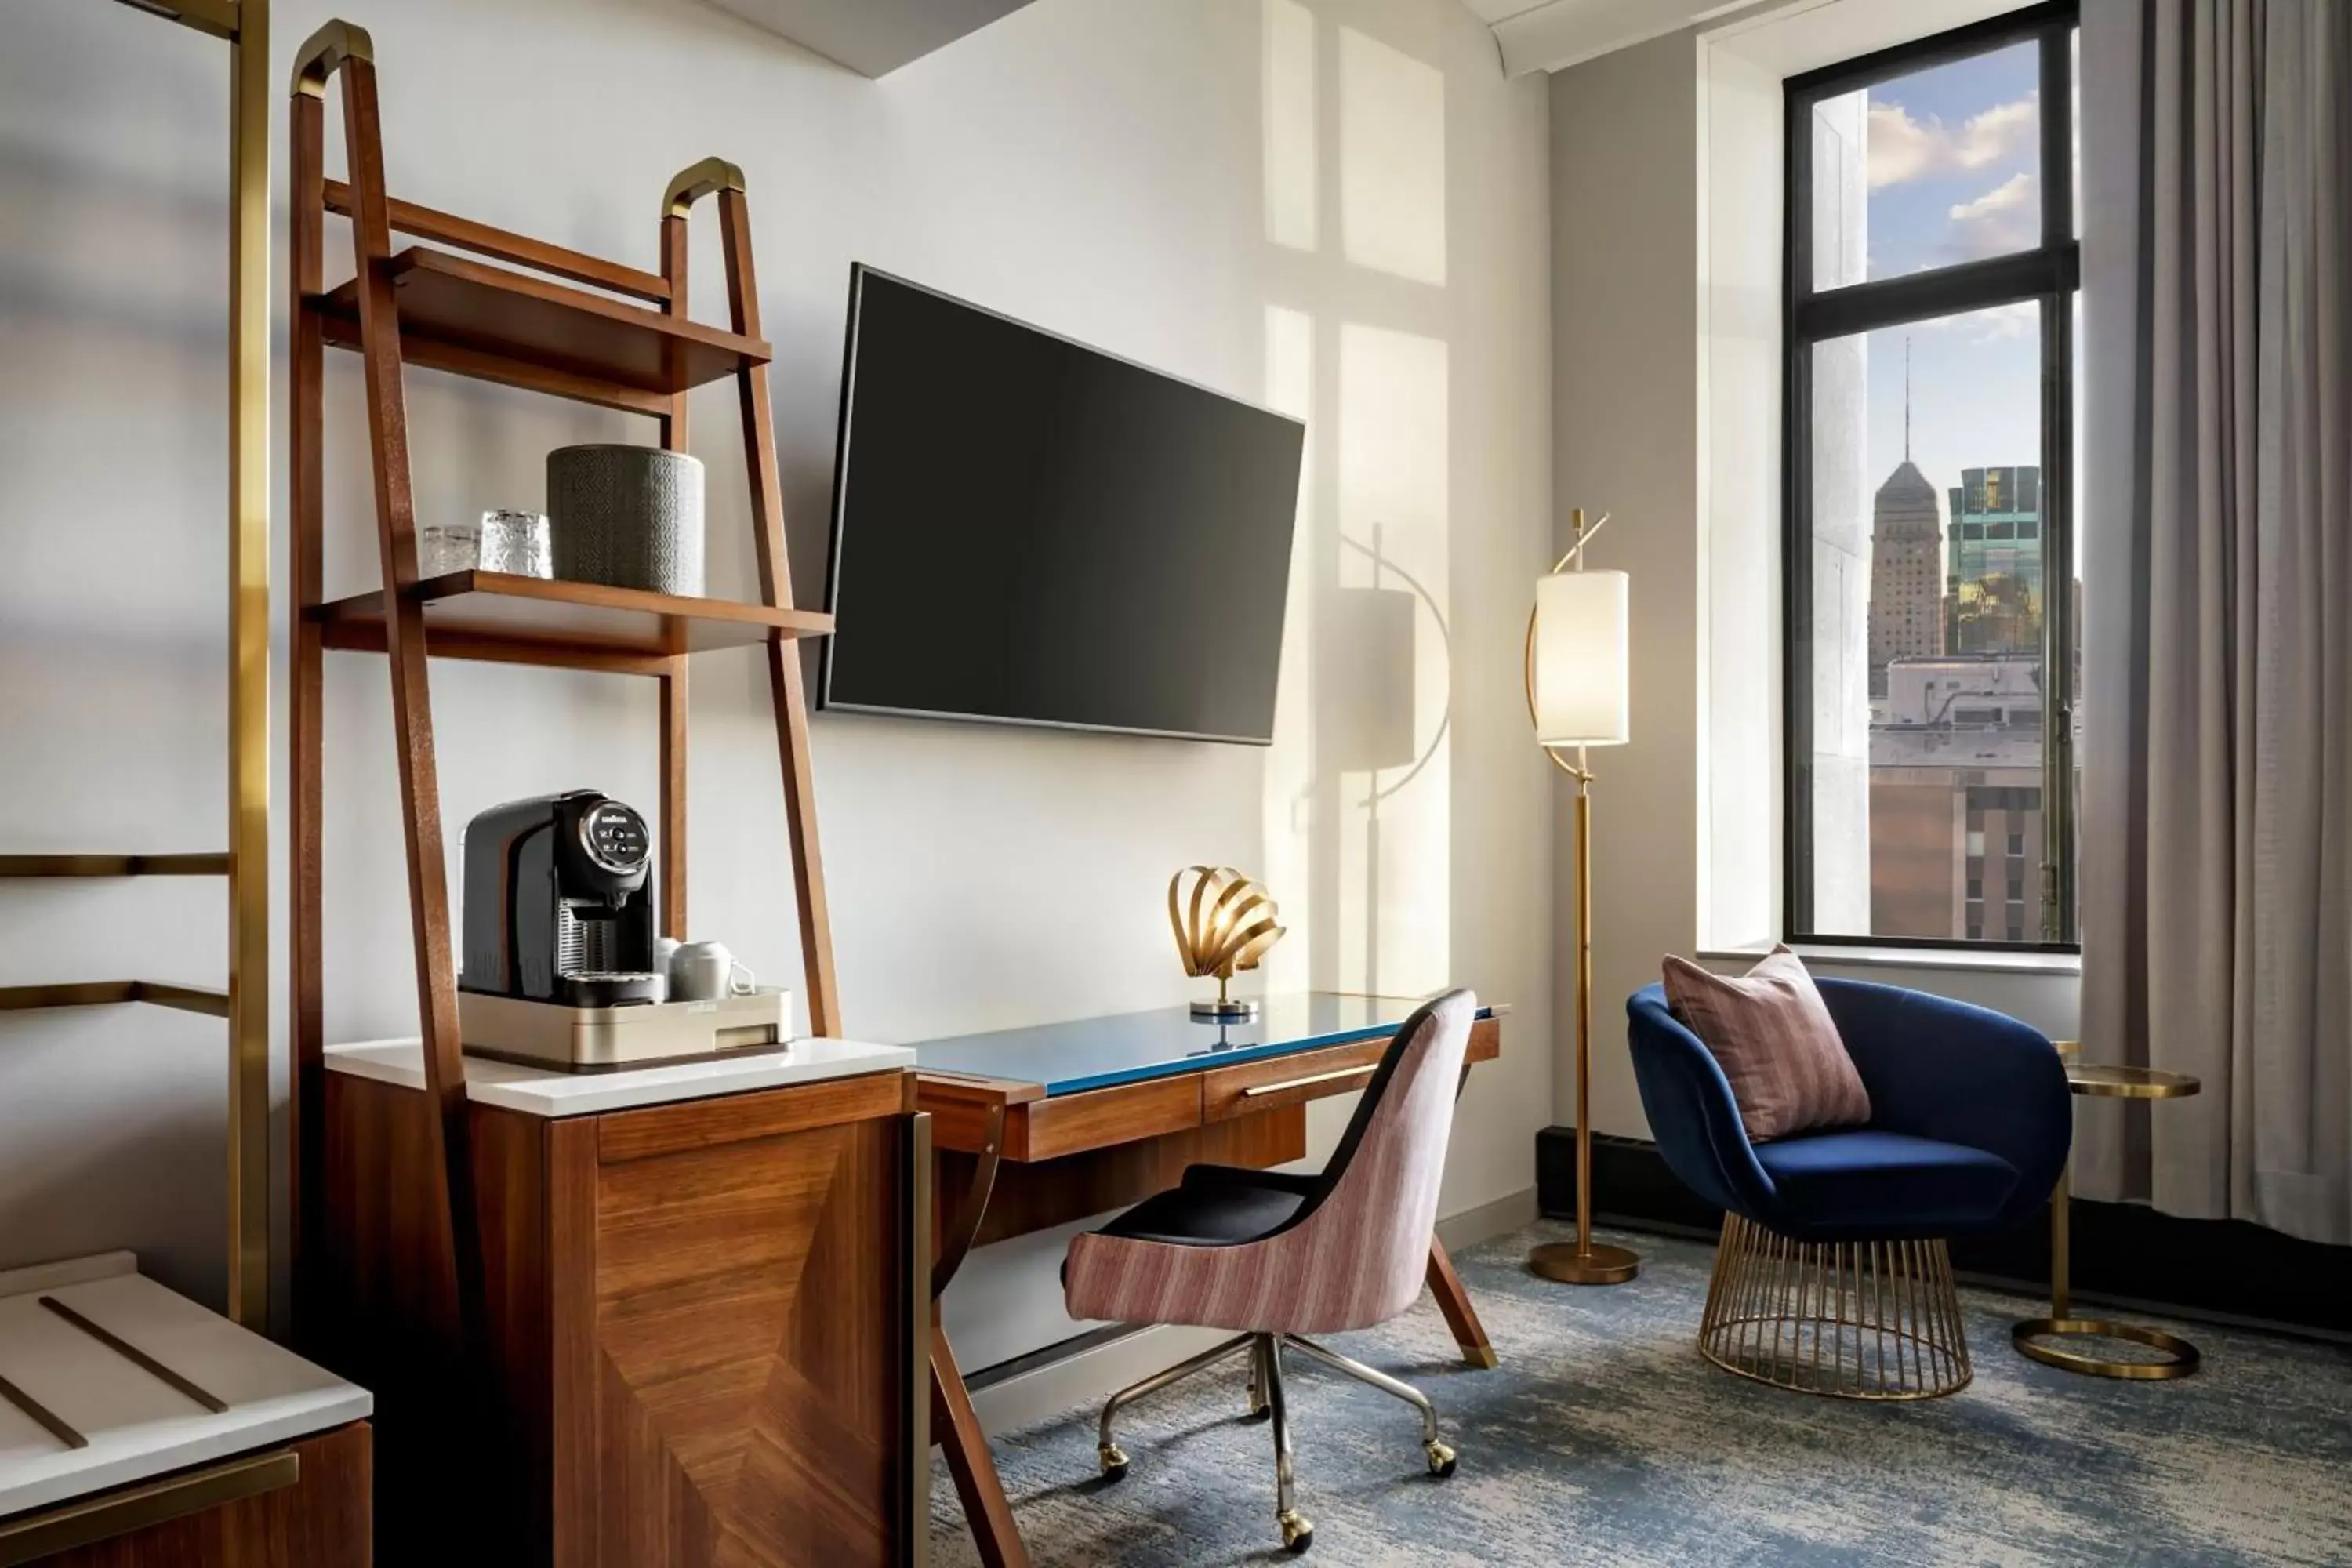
1072 1123
1277 1081
1252 1087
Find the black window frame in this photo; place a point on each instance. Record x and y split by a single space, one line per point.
2049 275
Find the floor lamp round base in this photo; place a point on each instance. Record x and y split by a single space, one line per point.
1595 1265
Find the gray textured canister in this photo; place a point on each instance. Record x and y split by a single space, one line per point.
630 517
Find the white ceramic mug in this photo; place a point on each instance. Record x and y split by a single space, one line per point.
704 971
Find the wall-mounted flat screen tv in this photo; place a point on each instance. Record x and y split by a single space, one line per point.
1027 531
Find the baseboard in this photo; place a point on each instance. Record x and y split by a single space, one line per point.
1514 1211
1028 1389
2127 1254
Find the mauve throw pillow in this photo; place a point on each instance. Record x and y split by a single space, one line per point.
1772 1035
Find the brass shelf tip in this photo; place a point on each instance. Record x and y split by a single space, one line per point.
327 51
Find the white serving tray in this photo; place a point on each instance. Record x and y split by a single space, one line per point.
138 1426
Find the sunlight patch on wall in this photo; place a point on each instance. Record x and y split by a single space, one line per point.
1395 840
1391 159
1288 869
1289 99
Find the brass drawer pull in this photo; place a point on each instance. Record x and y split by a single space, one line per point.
93 1520
1334 1076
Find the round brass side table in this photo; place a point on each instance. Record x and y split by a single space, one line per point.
2114 1082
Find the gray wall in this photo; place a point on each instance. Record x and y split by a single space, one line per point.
1340 207
1625 402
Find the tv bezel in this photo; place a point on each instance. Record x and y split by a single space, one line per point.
859 272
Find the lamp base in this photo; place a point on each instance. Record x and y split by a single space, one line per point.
1596 1264
1232 1011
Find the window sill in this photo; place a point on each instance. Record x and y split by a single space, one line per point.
1946 958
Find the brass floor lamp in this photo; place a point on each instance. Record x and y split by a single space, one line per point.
1578 696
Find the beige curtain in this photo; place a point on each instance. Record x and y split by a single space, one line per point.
2216 551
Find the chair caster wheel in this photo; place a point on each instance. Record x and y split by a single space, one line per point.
1442 1460
1258 1413
1297 1531
1114 1461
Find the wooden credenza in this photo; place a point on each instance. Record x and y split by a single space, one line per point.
706 1326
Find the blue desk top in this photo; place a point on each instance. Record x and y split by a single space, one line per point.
1129 1048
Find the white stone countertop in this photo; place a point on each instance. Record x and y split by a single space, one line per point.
541 1091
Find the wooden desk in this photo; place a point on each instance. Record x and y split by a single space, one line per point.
1037 1128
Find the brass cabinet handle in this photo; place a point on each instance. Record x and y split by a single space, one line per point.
101 1519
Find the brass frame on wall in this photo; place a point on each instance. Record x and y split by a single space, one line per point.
244 24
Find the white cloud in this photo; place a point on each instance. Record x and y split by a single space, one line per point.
1994 324
2005 218
1902 148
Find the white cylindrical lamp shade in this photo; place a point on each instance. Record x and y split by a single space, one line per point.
1582 632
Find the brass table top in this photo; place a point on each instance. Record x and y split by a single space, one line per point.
2128 1083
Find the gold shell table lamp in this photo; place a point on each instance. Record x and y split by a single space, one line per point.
1226 926
1578 695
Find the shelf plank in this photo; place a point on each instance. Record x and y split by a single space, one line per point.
114 866
512 619
100 992
497 324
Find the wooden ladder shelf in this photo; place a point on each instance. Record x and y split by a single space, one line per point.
426 305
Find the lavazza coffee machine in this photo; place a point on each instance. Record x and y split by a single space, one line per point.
560 967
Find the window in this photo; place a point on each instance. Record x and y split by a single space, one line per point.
1932 588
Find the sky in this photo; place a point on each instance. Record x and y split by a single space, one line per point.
1953 158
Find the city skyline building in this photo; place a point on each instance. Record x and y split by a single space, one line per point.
1993 592
1906 563
1956 800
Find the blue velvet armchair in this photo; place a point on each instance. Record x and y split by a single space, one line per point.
1833 1276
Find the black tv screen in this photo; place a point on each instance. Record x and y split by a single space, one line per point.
1031 532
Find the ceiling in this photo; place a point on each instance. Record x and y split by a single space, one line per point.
872 37
1552 34
876 38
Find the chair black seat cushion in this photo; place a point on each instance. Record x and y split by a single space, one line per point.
1216 1206
1875 1183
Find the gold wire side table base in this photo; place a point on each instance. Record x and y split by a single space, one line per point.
2106 1081
1597 1264
2027 1338
1847 1319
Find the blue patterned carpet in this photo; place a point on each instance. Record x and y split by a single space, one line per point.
1604 1438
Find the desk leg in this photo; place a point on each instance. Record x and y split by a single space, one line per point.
1446 1286
953 1422
969 1462
1454 1302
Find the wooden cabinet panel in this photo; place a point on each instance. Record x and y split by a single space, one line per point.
705 1123
747 1388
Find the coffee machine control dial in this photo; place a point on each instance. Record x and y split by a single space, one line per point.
615 837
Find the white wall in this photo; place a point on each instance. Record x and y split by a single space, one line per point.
1666 279
1337 207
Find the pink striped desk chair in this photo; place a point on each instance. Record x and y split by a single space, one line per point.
1277 1257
